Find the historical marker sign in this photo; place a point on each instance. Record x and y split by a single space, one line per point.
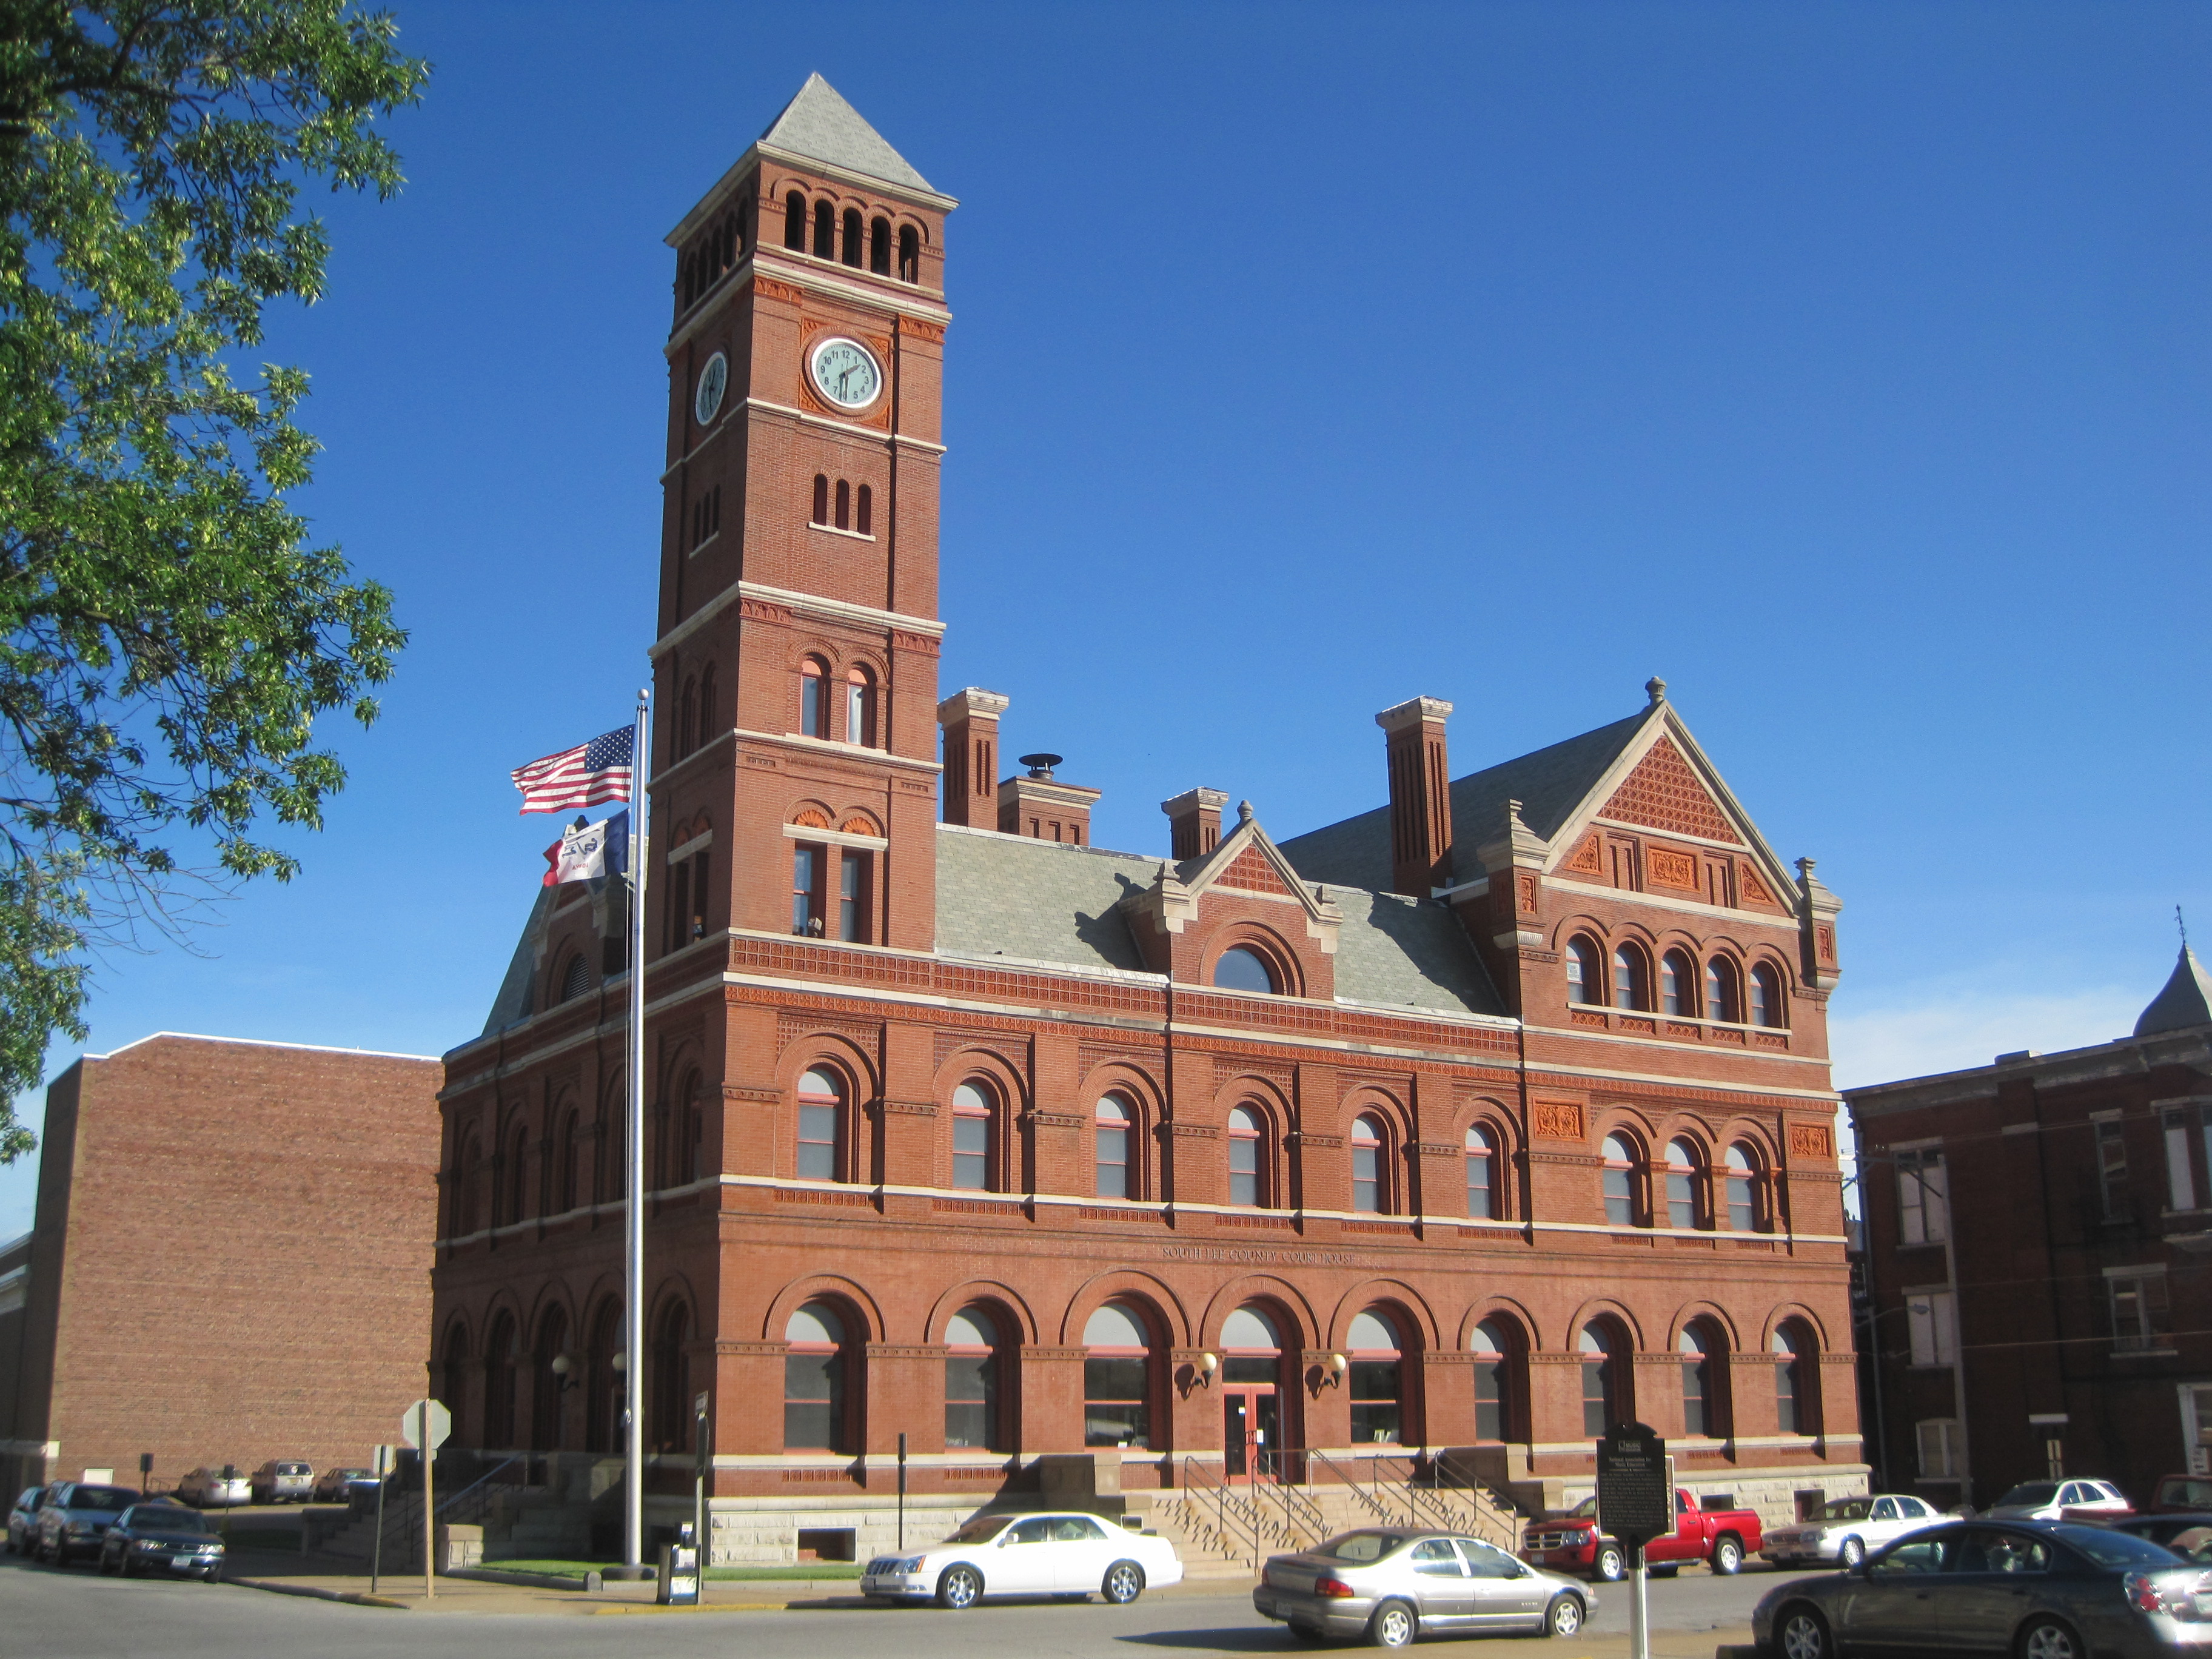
1634 1504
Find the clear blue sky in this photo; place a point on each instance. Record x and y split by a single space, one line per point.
1846 365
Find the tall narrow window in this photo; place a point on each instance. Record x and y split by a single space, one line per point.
971 1382
696 924
973 1114
1632 986
1492 1345
1113 1117
1936 1439
1601 1401
1244 1139
1698 1402
863 510
2180 1180
1481 1174
1678 985
1765 997
706 726
679 904
825 231
1367 1184
814 1380
822 498
910 254
1583 981
1741 1176
794 223
1923 1197
821 1125
1722 1001
1117 1378
843 510
1681 1185
2112 1171
517 1165
564 1175
812 716
860 708
1378 1380
853 251
1618 1178
498 1427
852 897
687 717
1796 1393
879 247
1932 1326
807 872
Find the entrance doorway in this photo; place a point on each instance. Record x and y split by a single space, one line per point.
1251 1426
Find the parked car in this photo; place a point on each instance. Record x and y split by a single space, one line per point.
215 1487
23 1520
1576 1542
2187 1533
74 1517
2040 1589
1061 1554
2061 1500
1849 1529
337 1486
162 1537
280 1480
1392 1585
2176 1493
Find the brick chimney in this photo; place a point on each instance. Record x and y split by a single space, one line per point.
970 720
1194 822
1420 795
1038 805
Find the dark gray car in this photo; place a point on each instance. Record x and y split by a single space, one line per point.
23 1519
2035 1589
75 1517
1393 1583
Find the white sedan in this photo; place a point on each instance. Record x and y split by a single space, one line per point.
2061 1500
1065 1554
1848 1530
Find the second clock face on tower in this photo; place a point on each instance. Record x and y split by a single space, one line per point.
845 372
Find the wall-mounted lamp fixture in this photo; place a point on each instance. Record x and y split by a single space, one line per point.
1205 1365
564 1372
622 1361
1333 1369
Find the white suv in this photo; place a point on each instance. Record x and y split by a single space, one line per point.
2061 1500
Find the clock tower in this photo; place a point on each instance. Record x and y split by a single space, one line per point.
795 770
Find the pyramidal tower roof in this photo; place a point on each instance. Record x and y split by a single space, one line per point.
2186 1001
818 123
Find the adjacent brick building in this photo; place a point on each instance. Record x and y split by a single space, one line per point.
1474 1120
2038 1231
230 1260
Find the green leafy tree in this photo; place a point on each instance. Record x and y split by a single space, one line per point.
168 635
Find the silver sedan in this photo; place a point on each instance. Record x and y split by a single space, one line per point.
1391 1584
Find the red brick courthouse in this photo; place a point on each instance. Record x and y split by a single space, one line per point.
1477 1120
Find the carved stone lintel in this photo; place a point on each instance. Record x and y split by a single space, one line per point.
910 1108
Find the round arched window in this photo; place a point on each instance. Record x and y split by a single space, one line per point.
1618 1178
1481 1174
1741 1176
1238 969
971 1381
1600 1380
1584 982
1682 1163
1492 1345
821 1114
1796 1393
1701 1381
1112 1118
1722 1001
814 1380
1377 1379
1368 1196
973 1114
1117 1379
1765 997
1245 1170
1631 979
1251 1349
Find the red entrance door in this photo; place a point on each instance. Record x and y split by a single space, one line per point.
1250 1425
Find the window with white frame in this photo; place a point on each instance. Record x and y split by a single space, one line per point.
1923 1197
1938 1438
2187 1127
2112 1170
2139 1307
1931 1318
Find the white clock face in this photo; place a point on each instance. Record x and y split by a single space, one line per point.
845 372
713 381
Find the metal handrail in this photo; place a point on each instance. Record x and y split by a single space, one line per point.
449 1504
1199 1477
1351 1480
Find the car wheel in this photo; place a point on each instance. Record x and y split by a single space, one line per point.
1801 1633
1852 1553
1125 1583
958 1588
1727 1558
2050 1638
214 1574
1393 1625
124 1568
1609 1565
1563 1617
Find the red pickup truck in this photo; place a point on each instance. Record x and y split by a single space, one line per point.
1573 1542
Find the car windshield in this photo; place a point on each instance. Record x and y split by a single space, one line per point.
982 1529
2118 1549
103 1498
1849 1508
350 1475
165 1517
1362 1546
2034 1494
1585 1511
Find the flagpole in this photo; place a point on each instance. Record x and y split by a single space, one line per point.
634 1219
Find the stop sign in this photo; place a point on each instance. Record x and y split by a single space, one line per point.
425 1425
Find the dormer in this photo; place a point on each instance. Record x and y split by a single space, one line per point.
1239 919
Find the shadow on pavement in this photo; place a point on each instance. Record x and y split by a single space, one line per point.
1241 1638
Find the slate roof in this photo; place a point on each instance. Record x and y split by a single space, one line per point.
1041 902
1549 783
512 1005
2186 1001
820 125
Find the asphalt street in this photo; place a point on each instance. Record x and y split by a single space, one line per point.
78 1615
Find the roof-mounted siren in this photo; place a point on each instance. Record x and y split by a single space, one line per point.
1042 808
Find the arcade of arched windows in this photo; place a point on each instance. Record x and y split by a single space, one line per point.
862 237
1686 988
712 254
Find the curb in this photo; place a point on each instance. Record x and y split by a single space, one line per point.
588 1582
633 1607
280 1587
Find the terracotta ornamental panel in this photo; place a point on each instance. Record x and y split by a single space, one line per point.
1662 792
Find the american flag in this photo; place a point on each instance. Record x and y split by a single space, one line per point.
582 776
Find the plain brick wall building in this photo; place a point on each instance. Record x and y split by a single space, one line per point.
230 1260
974 1000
